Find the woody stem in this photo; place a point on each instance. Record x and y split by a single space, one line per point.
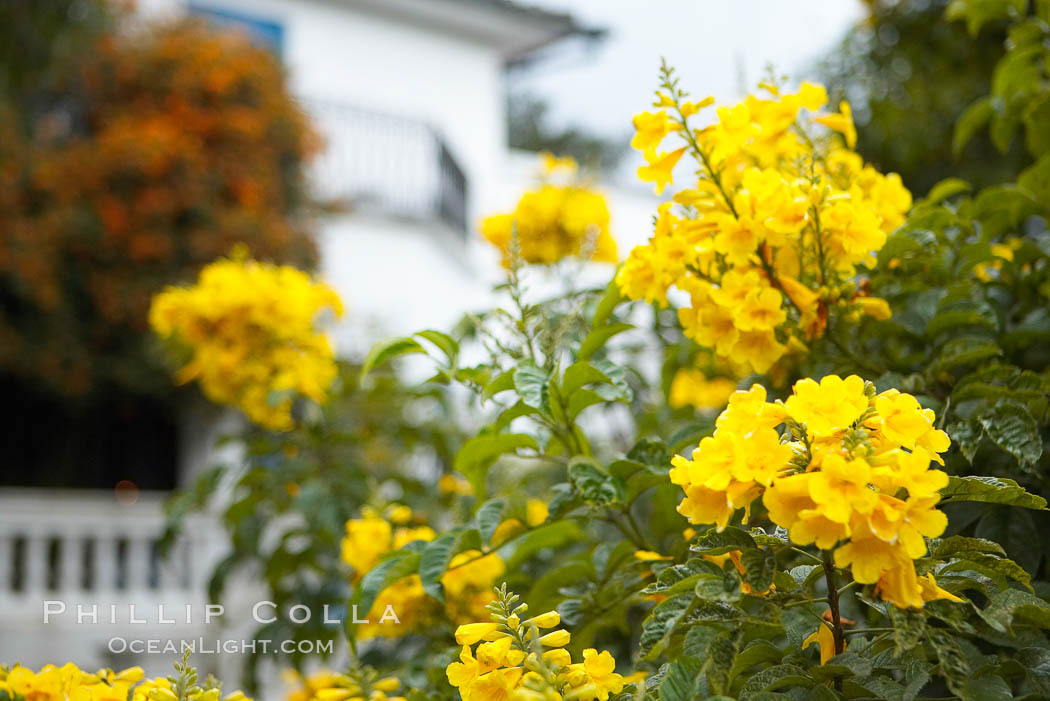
833 604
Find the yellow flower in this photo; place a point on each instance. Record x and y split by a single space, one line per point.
536 512
651 128
468 584
691 387
855 490
875 307
760 311
825 640
828 407
841 122
470 633
251 330
840 488
553 222
793 213
658 170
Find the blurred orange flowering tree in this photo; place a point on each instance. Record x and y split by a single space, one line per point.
151 154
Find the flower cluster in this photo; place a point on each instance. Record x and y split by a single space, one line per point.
561 217
251 329
691 387
358 685
850 472
514 659
186 142
466 583
766 239
70 683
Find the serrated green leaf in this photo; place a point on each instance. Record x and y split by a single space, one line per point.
759 565
531 384
776 677
963 351
1009 425
714 543
991 490
660 623
680 682
488 517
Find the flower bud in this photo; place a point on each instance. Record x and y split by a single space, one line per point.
470 633
558 638
546 620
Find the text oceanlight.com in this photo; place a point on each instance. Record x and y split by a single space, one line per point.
202 646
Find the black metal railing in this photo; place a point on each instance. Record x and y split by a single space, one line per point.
398 165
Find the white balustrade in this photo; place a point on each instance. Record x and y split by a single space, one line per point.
83 543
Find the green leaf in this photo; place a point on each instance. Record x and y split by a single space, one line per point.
949 187
384 351
723 586
438 553
501 383
1001 382
581 399
609 301
976 116
443 341
962 351
1019 536
488 517
579 374
991 490
594 484
598 337
990 687
680 682
959 546
775 677
962 314
760 565
714 543
1013 605
398 565
477 455
1009 425
659 625
531 384
555 534
1036 663
951 660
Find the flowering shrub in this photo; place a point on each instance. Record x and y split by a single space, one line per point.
769 236
513 662
157 152
821 537
560 218
51 683
467 582
251 330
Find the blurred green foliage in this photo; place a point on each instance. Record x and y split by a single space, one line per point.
908 75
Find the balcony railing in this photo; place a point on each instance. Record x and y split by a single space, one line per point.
84 545
397 165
